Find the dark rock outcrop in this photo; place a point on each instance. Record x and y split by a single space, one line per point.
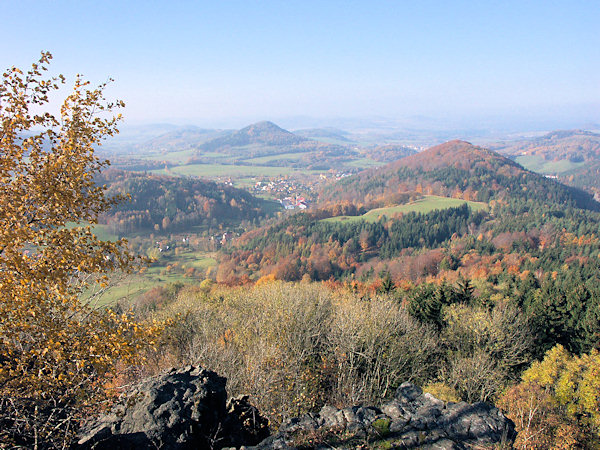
243 423
411 420
187 409
180 409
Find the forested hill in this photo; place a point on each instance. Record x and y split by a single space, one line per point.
457 169
530 223
459 154
391 152
264 133
175 203
266 138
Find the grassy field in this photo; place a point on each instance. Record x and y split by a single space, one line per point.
177 157
365 163
426 204
128 286
292 157
537 163
226 170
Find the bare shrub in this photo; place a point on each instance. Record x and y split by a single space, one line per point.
487 349
296 346
376 345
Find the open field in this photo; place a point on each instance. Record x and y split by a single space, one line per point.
537 163
365 163
228 170
424 205
292 157
177 157
166 270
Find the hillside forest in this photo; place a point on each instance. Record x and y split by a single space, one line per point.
330 283
455 268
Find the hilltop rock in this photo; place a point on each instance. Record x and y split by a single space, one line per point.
179 409
187 409
411 420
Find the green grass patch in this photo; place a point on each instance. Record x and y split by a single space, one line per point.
291 157
235 171
198 260
423 205
129 286
364 163
537 163
134 285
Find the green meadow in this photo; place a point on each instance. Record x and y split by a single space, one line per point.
167 269
537 163
423 205
229 170
290 157
365 163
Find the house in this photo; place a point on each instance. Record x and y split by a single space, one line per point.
227 236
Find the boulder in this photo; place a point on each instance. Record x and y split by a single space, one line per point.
180 409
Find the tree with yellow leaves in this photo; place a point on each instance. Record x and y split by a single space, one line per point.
56 353
557 405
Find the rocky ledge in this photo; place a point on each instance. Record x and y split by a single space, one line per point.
187 408
411 420
180 409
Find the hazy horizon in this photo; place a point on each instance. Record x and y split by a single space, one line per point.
532 65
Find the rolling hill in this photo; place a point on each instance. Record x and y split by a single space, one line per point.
572 155
390 152
182 138
174 203
267 139
571 145
262 133
586 177
406 216
455 169
329 135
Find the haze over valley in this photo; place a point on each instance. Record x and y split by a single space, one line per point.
300 225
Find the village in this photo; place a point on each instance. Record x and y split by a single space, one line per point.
295 194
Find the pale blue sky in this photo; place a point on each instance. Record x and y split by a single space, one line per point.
240 61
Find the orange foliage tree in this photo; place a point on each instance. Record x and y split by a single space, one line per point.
56 352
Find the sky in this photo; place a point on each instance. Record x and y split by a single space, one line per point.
229 63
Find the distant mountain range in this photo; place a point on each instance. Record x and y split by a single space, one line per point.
562 153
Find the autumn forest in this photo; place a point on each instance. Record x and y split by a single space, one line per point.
309 268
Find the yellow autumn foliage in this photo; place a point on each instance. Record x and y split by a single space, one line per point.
557 405
574 382
56 353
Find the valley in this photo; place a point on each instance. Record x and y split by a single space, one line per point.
246 245
443 177
300 225
493 265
